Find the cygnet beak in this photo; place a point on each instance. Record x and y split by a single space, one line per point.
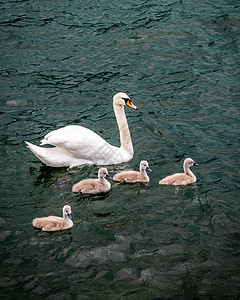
149 169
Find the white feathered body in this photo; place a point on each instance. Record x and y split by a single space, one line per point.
76 145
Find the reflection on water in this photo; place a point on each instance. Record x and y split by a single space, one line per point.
61 63
47 234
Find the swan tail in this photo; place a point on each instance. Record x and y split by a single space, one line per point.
53 157
38 151
44 142
33 148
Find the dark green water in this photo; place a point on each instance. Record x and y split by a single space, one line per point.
61 63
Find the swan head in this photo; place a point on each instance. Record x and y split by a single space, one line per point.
67 211
123 99
144 166
188 162
102 173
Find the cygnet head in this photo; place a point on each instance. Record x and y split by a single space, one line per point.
102 173
188 162
123 99
144 166
67 211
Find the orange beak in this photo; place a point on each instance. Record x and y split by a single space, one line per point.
130 104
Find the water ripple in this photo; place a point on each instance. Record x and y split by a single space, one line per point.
61 63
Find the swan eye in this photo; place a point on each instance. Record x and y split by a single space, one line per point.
129 103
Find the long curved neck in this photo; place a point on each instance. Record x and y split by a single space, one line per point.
125 137
144 173
68 222
188 171
103 180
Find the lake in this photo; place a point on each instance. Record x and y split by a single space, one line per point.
61 64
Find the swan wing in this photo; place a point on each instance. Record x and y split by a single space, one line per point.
50 223
54 157
184 180
177 179
129 176
88 186
171 179
79 142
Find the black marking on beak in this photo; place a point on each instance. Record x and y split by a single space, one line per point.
129 103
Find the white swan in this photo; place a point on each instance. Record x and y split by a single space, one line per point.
76 145
181 178
92 185
53 223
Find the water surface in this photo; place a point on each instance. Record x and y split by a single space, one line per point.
61 63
